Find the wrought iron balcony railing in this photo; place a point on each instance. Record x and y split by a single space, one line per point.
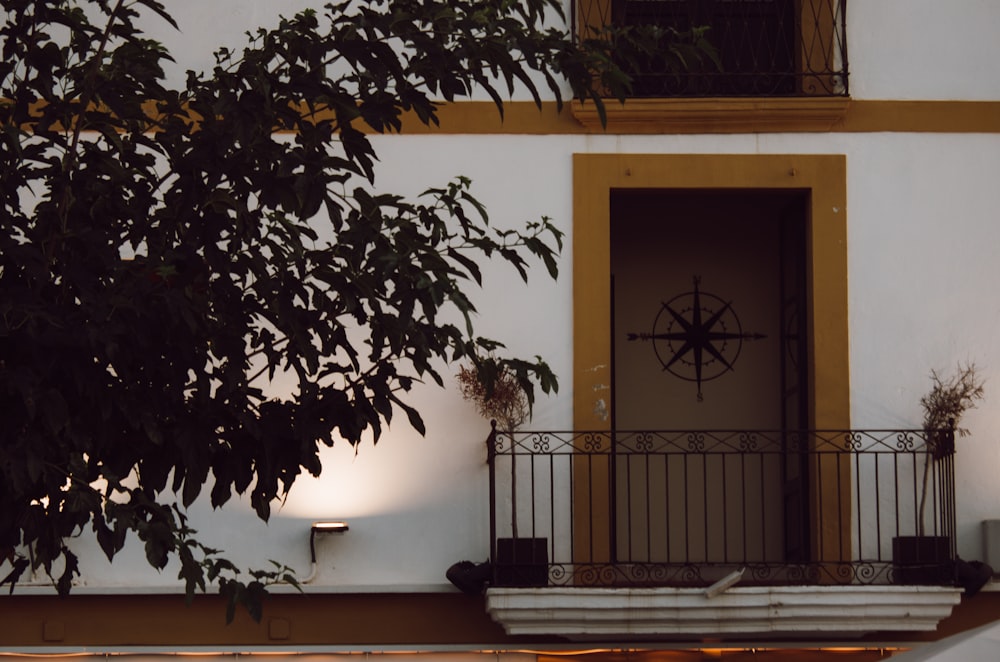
686 508
765 47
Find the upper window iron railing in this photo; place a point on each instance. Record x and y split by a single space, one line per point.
687 508
764 47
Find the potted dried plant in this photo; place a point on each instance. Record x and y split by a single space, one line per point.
500 398
926 558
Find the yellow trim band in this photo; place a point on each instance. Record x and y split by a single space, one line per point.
694 116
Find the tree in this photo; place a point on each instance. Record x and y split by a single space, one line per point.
165 255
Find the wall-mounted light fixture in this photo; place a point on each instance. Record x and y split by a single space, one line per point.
335 526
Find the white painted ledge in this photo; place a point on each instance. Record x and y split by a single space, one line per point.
589 613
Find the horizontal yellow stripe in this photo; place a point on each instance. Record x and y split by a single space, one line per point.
689 116
692 116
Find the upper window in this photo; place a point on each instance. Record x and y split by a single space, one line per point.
765 47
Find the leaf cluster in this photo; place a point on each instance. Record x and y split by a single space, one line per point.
621 53
168 255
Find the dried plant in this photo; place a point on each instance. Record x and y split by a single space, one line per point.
944 405
949 398
503 401
498 396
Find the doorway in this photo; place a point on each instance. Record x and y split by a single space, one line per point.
708 299
824 401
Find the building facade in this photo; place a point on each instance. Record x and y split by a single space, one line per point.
763 265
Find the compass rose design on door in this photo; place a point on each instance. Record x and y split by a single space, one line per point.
697 336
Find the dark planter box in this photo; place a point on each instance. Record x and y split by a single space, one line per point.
923 560
521 562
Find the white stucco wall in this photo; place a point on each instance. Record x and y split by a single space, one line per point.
923 49
922 233
923 230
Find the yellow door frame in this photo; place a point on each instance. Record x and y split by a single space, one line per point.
824 178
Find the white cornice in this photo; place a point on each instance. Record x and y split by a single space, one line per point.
589 613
